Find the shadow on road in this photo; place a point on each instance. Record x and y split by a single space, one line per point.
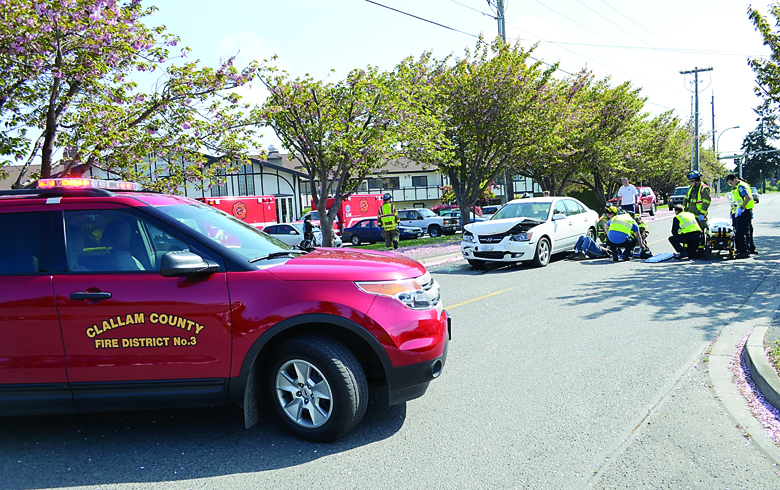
92 450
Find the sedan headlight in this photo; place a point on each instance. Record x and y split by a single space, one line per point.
522 237
468 237
421 293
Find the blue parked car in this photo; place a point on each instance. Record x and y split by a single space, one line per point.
368 231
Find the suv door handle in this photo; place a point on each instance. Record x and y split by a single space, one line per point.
82 295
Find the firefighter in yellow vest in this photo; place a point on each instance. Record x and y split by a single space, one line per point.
697 201
743 217
623 235
686 233
388 220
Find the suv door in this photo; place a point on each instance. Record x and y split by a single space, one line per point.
125 327
33 379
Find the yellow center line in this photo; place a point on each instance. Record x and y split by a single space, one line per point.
477 299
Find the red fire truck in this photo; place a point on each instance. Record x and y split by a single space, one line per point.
258 211
353 208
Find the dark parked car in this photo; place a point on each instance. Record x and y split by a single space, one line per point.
368 231
677 196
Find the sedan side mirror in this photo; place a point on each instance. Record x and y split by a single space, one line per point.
183 264
558 216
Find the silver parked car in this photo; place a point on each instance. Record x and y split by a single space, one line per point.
292 234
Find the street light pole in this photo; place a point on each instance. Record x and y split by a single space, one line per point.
717 155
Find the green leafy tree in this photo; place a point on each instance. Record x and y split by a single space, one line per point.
342 131
763 159
767 70
67 66
486 105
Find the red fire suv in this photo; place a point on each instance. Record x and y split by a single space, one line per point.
112 299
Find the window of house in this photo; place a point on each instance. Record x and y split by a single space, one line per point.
384 183
419 181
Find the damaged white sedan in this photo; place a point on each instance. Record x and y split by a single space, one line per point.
528 230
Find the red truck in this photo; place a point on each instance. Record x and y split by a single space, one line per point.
352 209
258 211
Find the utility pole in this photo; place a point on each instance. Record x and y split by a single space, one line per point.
695 72
509 189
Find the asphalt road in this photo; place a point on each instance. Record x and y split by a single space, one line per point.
578 375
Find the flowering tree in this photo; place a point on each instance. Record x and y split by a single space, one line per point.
342 131
66 85
487 106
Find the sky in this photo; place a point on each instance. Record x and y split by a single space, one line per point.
647 43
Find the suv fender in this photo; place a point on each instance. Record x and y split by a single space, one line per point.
245 389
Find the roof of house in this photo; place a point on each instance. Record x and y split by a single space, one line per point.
283 161
13 173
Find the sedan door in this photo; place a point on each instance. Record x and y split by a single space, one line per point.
563 228
580 218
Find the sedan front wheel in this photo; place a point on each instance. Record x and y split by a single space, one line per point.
543 251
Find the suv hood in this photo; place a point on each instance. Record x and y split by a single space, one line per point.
494 226
335 264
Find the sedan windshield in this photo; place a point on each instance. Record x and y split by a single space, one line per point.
533 210
224 229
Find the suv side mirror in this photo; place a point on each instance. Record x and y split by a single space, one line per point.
183 264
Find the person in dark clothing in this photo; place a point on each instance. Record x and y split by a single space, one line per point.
308 233
686 233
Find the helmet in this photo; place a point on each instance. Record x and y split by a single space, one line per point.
612 210
387 197
693 175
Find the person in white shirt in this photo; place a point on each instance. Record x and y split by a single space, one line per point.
628 195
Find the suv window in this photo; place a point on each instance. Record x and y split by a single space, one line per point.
113 241
19 243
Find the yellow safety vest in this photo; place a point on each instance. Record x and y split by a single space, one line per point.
700 200
749 193
387 217
688 223
622 223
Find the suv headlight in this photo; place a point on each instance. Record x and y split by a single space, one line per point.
522 237
421 293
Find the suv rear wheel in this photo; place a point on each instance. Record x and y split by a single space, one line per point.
317 387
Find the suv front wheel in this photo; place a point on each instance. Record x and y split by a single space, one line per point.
317 388
434 231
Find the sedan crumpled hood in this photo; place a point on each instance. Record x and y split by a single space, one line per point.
494 226
335 264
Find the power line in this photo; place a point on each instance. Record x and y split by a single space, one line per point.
671 50
584 26
629 19
475 10
456 30
613 23
424 20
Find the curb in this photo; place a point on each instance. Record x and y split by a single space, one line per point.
441 259
766 379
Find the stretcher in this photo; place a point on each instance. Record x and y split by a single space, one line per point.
659 257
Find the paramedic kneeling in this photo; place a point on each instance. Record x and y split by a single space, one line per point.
622 236
685 231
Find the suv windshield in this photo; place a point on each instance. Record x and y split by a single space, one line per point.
222 228
679 191
426 213
533 210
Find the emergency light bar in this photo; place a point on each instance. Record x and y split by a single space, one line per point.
89 184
